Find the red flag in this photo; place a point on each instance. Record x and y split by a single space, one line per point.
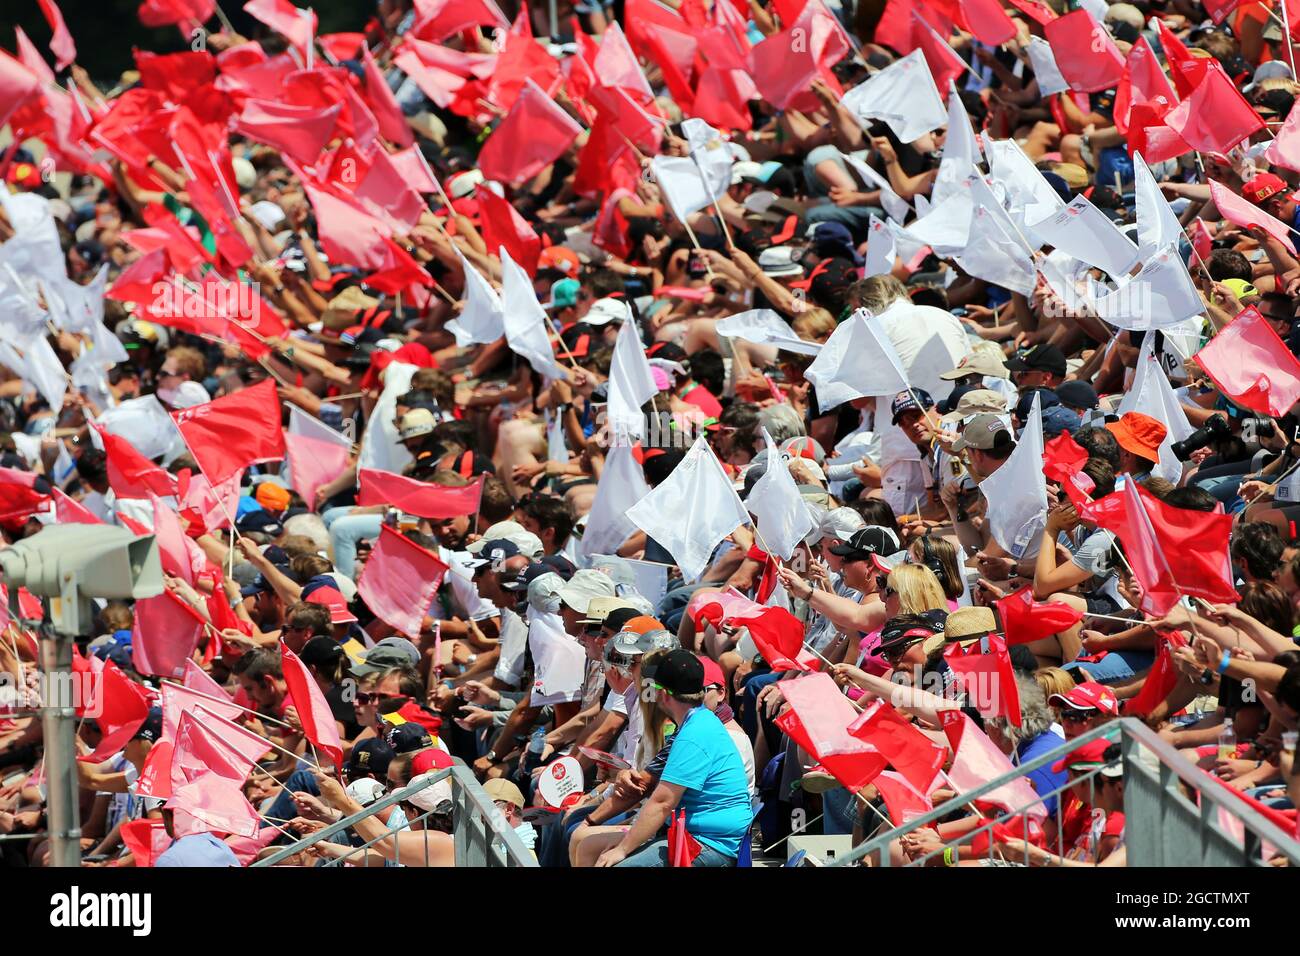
380 99
18 85
205 742
317 454
300 132
438 84
165 634
682 847
903 802
385 192
221 703
71 511
296 25
120 706
986 20
213 803
313 710
1214 117
1172 550
535 134
145 839
170 13
785 64
439 19
1244 213
232 432
818 721
1143 81
400 581
521 59
1251 365
348 234
914 755
1036 10
61 45
130 474
976 760
1023 620
1086 55
31 58
503 226
21 494
1160 679
1184 69
944 63
417 497
175 74
989 681
778 635
1063 457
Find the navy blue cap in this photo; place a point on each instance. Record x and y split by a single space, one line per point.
260 521
1047 398
408 737
151 729
370 757
1059 419
1080 395
906 401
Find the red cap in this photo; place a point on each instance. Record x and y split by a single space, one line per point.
1090 696
435 758
1264 187
1092 753
713 674
332 598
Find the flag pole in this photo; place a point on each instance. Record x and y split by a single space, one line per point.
225 20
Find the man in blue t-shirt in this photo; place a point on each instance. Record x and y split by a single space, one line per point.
704 776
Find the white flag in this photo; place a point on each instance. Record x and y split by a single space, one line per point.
622 484
1152 395
1086 233
483 319
1157 226
34 360
779 510
961 150
858 360
1017 492
711 155
1161 295
946 227
903 95
525 319
996 257
1048 74
559 662
692 510
143 422
682 185
630 386
381 449
765 327
882 250
1029 197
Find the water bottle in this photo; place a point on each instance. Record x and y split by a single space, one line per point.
536 744
1227 740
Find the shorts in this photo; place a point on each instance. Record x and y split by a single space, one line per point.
1099 603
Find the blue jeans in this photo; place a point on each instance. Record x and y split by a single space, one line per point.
283 808
655 854
553 845
346 530
841 809
748 716
1116 666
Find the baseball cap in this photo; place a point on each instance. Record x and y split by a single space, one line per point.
528 543
907 400
416 423
151 728
564 293
779 261
498 549
586 584
982 432
975 401
1085 757
1240 288
408 737
1041 358
1088 696
900 633
260 521
606 310
679 672
618 618
321 652
801 446
434 793
561 259
327 595
1264 187
1139 434
366 790
369 756
388 653
869 541
1077 394
841 523
977 363
502 789
713 673
1058 419
1046 399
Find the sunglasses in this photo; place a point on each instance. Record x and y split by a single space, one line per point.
373 697
1075 716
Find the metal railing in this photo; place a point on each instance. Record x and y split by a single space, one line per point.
1162 825
480 834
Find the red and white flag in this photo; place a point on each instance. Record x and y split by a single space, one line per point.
317 453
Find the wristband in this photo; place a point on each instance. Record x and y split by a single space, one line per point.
1224 661
948 857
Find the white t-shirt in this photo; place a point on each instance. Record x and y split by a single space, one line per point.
746 750
514 642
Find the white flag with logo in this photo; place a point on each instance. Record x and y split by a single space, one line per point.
895 206
961 150
1086 233
559 662
1152 395
1160 295
1017 492
779 510
692 510
995 256
858 360
1029 197
525 319
1048 74
882 249
711 154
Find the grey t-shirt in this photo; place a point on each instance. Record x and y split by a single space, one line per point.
1091 550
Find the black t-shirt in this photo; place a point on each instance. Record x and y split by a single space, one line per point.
343 711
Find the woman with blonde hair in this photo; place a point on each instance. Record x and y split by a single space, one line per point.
1054 680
